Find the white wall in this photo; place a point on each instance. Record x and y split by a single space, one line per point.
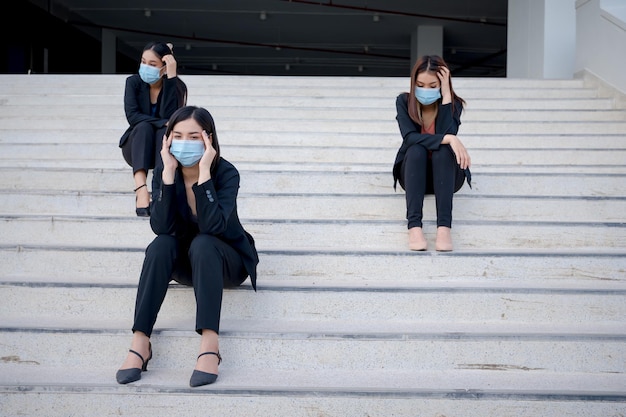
601 40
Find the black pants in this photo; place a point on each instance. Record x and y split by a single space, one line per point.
142 146
206 263
436 174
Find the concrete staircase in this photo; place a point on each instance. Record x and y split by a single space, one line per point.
527 317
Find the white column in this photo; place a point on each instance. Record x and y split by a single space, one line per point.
541 40
426 40
109 49
560 39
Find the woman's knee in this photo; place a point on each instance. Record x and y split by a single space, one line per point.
142 131
204 245
162 246
416 153
443 155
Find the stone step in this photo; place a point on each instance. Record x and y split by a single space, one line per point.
102 165
467 392
531 269
323 126
88 181
102 83
321 349
336 235
318 154
345 206
89 104
496 309
282 112
362 91
389 140
360 87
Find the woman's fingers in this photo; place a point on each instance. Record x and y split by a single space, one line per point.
207 137
166 142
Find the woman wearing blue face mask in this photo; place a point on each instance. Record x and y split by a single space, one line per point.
200 241
151 96
431 159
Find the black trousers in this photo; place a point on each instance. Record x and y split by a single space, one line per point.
423 174
140 150
206 263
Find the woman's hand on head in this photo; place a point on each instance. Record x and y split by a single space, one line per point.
170 66
207 157
444 78
169 162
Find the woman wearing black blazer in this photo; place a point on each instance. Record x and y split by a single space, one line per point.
150 98
200 241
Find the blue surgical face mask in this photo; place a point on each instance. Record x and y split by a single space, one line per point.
427 96
149 74
187 152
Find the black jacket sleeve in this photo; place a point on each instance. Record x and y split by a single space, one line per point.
163 208
215 206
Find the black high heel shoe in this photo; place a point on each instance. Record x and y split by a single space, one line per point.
199 378
141 211
126 376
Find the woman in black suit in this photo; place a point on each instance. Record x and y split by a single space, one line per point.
200 241
150 98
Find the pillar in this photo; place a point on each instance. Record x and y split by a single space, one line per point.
426 40
541 39
109 50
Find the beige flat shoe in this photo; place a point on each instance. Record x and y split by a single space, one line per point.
443 242
417 241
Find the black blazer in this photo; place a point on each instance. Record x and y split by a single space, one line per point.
216 206
446 122
137 105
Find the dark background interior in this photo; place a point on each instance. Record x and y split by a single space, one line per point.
255 37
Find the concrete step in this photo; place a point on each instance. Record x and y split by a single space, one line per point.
346 206
287 167
313 154
333 235
328 392
322 349
89 181
388 141
310 87
280 110
324 126
81 103
497 310
365 91
101 84
532 269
